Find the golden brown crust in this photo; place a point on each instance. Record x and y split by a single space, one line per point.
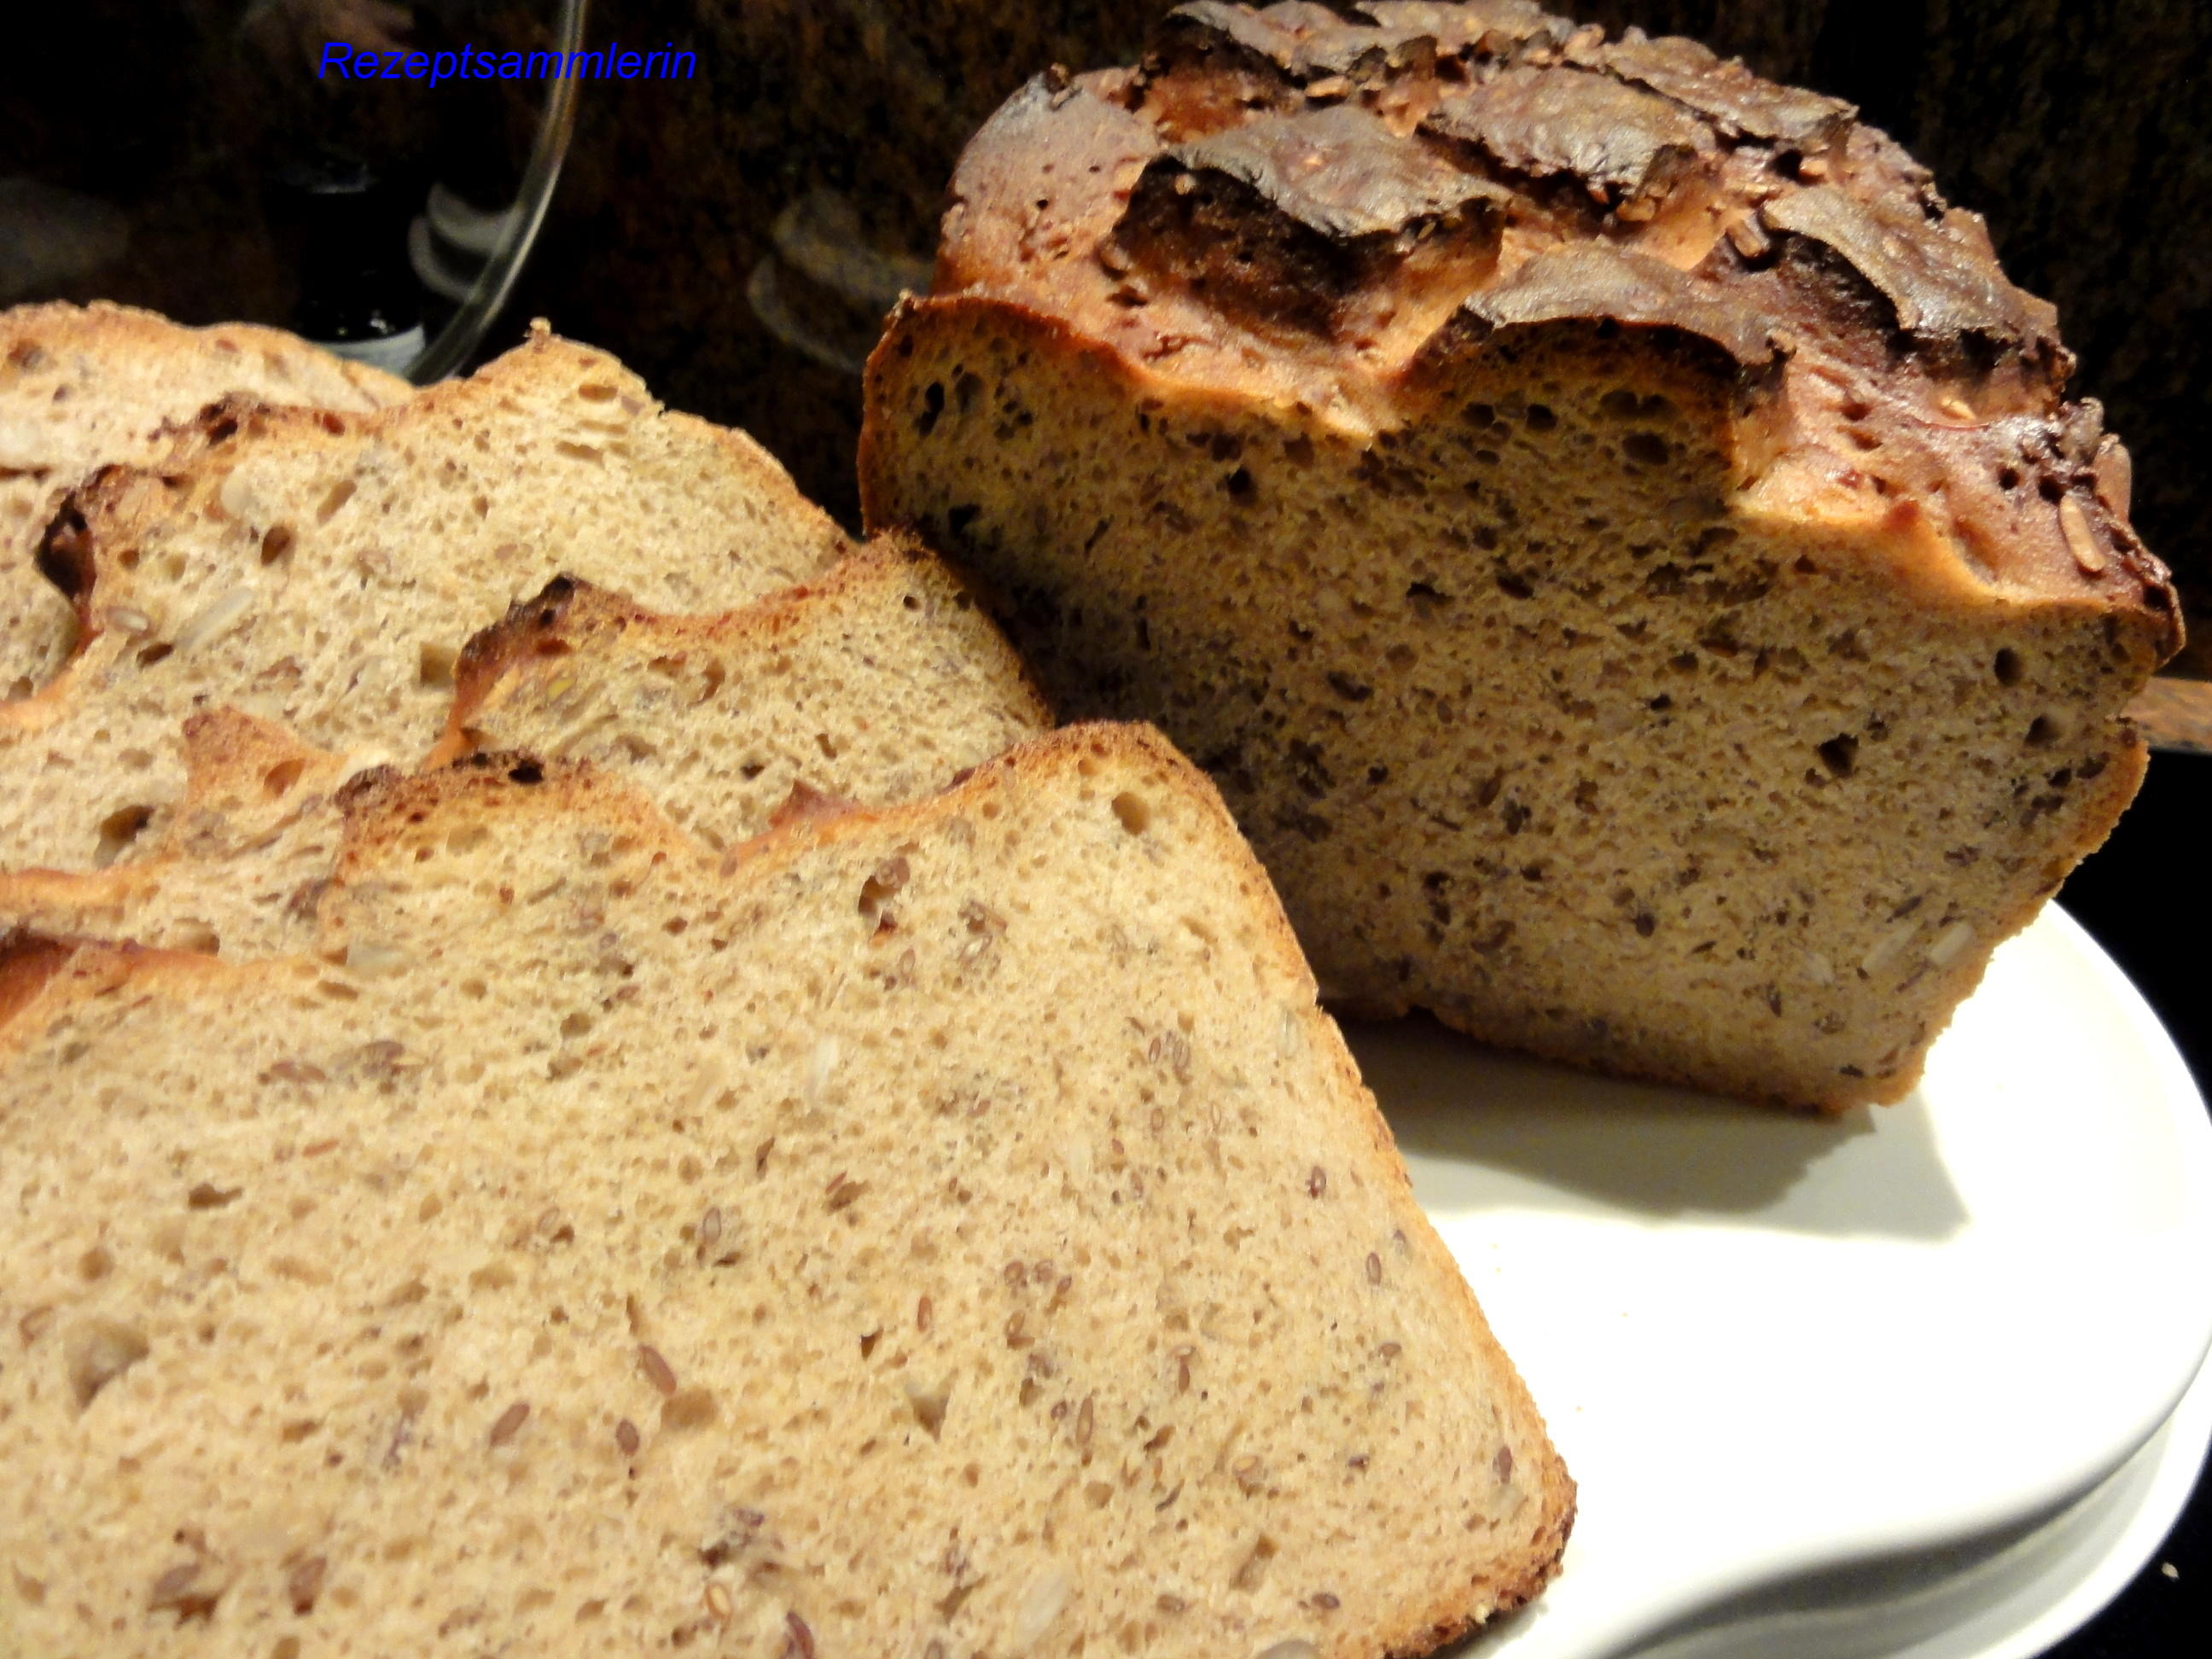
1251 211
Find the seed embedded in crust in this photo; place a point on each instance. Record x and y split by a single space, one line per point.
921 1314
2080 540
626 1437
719 1603
1374 1268
657 1369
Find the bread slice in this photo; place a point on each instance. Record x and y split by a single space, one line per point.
948 1229
237 867
876 683
324 571
1614 535
84 387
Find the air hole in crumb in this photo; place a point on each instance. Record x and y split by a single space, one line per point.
150 654
435 665
1135 814
118 830
99 1351
280 778
275 542
1839 755
2007 666
1540 419
1644 448
2042 732
526 772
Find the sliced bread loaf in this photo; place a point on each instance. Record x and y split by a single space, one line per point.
84 387
1613 532
944 1230
878 683
324 571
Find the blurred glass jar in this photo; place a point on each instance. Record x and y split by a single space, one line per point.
203 159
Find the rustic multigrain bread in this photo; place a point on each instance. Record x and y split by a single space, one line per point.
237 866
944 1231
878 683
1613 532
324 571
875 684
84 387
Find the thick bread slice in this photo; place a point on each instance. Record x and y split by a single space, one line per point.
1649 600
875 684
950 1230
84 387
324 571
878 683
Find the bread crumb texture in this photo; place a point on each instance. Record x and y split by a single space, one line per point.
84 387
324 570
945 1230
1607 525
879 683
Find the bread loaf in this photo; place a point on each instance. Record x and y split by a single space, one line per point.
1609 526
950 1230
81 388
876 685
324 571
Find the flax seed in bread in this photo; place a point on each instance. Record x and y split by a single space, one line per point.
953 1228
1612 530
86 387
324 570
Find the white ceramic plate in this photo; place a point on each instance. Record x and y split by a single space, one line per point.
1772 1347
